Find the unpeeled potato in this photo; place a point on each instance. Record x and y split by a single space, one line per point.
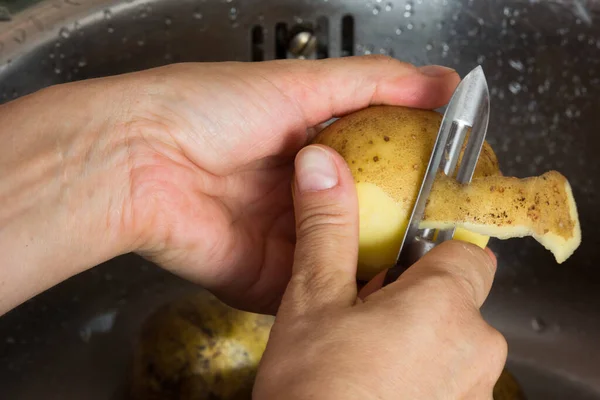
197 347
388 148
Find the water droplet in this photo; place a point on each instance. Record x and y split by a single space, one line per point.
107 14
428 47
168 21
480 59
57 45
480 21
233 13
408 6
376 10
368 49
514 87
407 14
398 31
439 26
61 56
197 15
538 325
409 26
10 340
82 62
64 33
110 29
141 43
389 7
51 55
516 64
57 71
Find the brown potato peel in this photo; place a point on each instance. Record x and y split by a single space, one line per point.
504 207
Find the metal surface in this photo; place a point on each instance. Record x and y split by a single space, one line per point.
303 44
468 108
542 61
473 116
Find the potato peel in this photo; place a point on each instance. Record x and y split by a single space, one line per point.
504 207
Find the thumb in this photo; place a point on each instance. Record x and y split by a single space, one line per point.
326 209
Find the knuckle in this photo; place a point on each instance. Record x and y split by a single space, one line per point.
492 348
467 285
320 219
464 269
497 344
446 290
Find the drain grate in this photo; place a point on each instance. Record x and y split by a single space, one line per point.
306 40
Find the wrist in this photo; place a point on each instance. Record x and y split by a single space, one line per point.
63 188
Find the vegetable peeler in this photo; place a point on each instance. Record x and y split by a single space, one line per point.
466 118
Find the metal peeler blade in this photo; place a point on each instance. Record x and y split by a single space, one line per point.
468 110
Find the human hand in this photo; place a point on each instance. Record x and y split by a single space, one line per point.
421 337
189 165
210 181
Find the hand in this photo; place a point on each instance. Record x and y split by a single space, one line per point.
211 179
421 337
189 165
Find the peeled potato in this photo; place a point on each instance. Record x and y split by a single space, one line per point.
388 148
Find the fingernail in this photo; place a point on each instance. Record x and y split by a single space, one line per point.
315 170
435 71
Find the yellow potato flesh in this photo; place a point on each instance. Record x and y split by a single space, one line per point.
382 226
387 150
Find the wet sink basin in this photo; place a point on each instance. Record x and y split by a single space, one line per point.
542 60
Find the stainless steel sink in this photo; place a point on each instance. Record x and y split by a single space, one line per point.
542 60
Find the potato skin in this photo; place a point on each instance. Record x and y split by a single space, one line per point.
390 146
198 348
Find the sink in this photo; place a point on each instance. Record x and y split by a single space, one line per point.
542 61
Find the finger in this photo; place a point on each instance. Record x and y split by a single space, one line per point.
326 208
492 255
373 285
462 270
333 87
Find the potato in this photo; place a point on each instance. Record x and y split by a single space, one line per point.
198 348
388 148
